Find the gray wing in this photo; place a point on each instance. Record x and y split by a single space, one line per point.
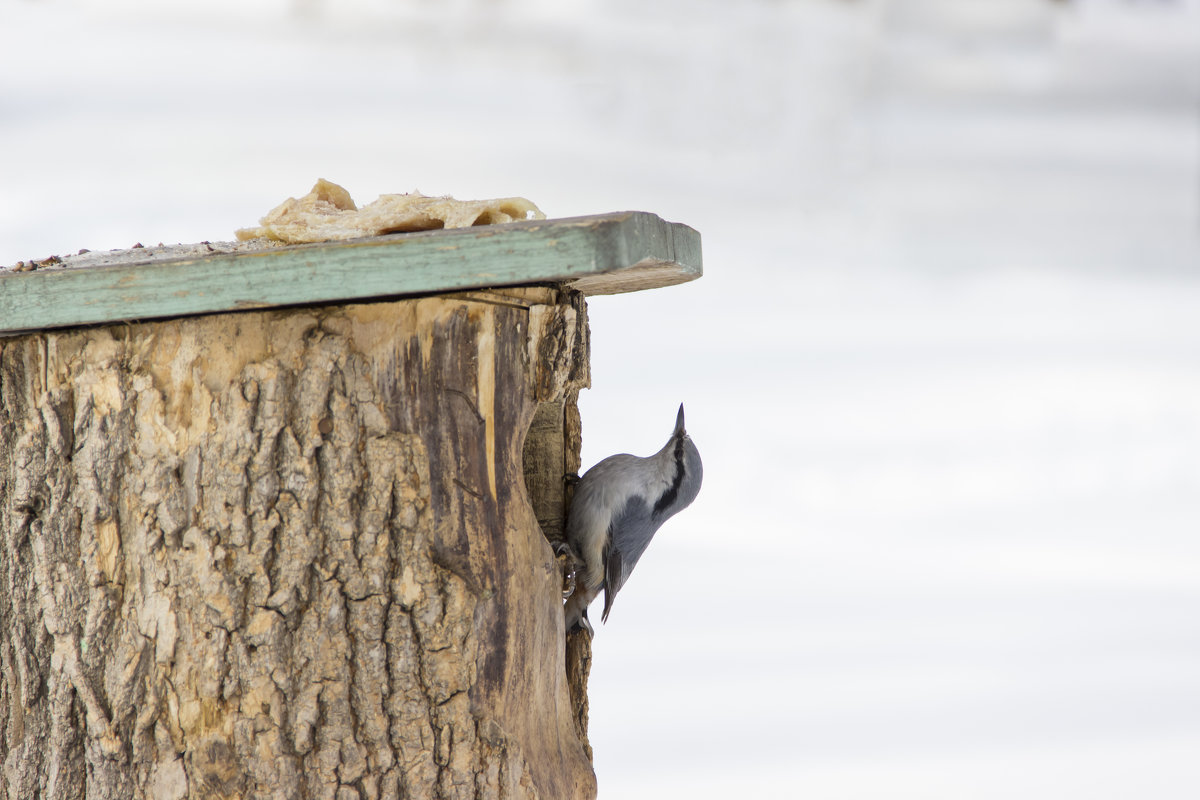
631 530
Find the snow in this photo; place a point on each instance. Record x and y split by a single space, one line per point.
943 365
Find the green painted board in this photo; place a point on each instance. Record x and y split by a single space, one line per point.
602 254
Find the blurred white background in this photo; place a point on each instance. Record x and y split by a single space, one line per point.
943 367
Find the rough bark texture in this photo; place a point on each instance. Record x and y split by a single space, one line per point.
291 554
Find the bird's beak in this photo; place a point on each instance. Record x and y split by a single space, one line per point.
679 431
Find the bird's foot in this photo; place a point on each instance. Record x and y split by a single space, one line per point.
562 550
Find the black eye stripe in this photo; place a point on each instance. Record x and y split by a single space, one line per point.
668 497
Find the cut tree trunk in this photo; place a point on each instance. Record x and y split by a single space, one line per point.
291 554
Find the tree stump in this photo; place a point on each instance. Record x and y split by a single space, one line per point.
287 554
293 553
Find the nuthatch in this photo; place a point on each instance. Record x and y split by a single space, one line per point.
618 505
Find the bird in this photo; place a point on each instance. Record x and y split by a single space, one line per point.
618 506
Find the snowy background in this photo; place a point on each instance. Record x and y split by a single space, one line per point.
943 367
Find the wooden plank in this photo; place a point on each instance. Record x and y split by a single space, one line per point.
602 254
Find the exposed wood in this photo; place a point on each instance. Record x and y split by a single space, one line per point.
602 254
292 554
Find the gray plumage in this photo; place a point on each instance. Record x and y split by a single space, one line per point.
618 506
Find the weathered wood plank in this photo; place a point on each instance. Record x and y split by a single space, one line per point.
603 254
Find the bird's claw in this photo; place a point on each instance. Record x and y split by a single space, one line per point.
563 550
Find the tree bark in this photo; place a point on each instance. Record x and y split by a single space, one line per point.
291 554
